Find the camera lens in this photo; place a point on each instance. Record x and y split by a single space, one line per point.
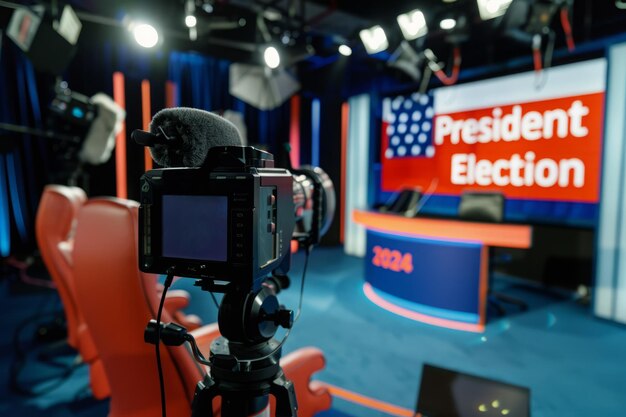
314 201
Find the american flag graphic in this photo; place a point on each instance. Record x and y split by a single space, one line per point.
408 126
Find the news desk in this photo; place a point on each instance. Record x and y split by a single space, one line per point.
433 270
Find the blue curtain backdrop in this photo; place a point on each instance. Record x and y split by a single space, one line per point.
203 83
22 157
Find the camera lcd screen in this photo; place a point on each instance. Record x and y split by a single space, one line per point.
195 227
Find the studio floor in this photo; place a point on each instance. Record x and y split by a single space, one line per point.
572 362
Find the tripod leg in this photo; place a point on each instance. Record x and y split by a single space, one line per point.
286 404
202 405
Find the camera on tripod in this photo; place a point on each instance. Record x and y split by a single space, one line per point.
225 215
230 222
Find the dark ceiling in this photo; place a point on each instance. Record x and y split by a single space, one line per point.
231 29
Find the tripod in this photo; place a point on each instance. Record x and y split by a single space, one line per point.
245 359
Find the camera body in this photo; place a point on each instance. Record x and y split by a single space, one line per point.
228 223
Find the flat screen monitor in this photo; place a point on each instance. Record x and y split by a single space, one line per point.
447 393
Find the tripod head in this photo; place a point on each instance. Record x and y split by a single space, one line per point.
247 319
245 359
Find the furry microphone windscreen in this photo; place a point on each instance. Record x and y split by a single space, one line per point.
196 132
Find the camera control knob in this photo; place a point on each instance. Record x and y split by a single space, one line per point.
284 318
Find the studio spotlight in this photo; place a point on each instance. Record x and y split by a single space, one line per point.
207 7
345 50
413 24
374 39
145 35
490 9
447 24
271 57
191 21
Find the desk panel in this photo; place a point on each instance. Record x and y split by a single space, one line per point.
490 234
433 270
436 281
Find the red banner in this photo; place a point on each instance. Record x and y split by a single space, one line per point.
539 150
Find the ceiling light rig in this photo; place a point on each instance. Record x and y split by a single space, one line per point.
407 60
207 6
271 57
447 24
190 19
409 57
374 39
529 22
145 34
345 50
490 9
413 24
437 68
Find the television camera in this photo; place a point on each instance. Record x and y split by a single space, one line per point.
228 221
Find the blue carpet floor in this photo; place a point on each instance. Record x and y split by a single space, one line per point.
572 362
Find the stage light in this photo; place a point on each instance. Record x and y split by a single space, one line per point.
145 35
191 21
207 7
413 24
447 24
271 57
490 9
345 50
374 39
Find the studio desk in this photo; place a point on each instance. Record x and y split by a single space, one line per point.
433 270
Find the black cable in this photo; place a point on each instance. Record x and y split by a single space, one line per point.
166 286
306 265
20 361
20 358
215 300
547 60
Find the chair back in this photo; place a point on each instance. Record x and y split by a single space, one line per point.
117 301
405 202
54 229
483 206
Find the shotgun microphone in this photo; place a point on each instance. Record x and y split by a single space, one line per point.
182 137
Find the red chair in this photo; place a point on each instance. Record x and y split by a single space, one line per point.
118 300
55 224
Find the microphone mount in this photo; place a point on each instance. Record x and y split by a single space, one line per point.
143 138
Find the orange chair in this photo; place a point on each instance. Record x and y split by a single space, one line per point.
55 225
118 300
